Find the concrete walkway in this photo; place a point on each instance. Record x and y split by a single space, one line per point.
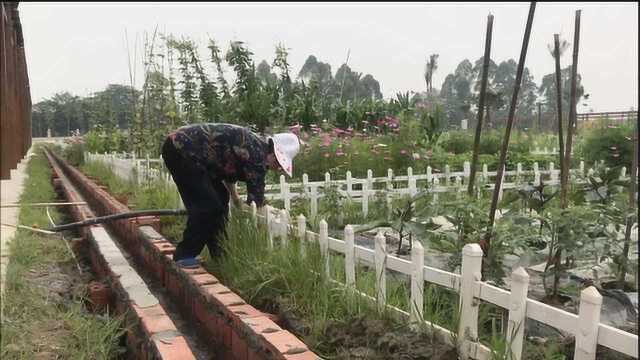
10 191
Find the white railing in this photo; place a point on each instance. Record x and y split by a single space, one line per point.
589 332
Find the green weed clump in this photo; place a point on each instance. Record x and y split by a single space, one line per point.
35 322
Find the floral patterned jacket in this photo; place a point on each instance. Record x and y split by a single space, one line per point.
227 152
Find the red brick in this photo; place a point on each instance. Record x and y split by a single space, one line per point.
154 319
228 299
208 319
307 355
238 347
283 342
225 331
177 348
203 279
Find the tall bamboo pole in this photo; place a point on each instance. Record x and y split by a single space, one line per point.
485 243
564 191
556 55
483 90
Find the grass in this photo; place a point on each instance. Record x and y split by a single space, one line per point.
34 323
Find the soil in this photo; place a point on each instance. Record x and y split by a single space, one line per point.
374 339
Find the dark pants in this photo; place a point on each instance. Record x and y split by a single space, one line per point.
206 201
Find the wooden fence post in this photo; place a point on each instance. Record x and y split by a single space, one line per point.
436 184
470 274
412 183
305 184
349 256
284 192
302 233
284 227
254 213
429 175
623 172
536 174
588 323
268 219
517 311
466 170
369 179
349 183
485 172
582 168
417 281
365 200
380 264
314 202
447 174
518 172
323 239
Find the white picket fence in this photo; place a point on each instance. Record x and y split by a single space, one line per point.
585 326
361 190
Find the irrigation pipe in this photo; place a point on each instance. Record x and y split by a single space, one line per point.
65 242
120 216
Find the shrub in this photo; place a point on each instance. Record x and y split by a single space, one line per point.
457 142
611 144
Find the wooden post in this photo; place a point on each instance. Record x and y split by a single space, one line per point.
483 87
466 170
349 256
314 202
284 192
588 323
323 239
284 227
471 273
582 168
302 233
536 174
564 182
417 281
380 264
365 200
268 220
413 187
447 174
485 172
369 179
349 183
429 175
305 182
517 311
436 184
486 240
254 213
518 172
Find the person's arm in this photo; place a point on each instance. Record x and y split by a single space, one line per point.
233 192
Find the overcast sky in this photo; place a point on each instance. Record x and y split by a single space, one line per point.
80 47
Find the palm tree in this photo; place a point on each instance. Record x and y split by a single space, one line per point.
430 68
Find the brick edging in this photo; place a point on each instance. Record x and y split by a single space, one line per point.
150 334
227 320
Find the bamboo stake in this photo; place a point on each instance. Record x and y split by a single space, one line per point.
556 54
564 182
483 90
485 243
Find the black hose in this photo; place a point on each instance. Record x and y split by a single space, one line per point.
120 216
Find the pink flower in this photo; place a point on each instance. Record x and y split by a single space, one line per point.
326 155
339 153
403 151
416 156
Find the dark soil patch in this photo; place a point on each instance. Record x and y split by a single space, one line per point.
375 339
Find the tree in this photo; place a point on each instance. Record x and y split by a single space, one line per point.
430 68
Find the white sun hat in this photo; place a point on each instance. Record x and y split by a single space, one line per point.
285 147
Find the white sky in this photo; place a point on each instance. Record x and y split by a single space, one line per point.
80 47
